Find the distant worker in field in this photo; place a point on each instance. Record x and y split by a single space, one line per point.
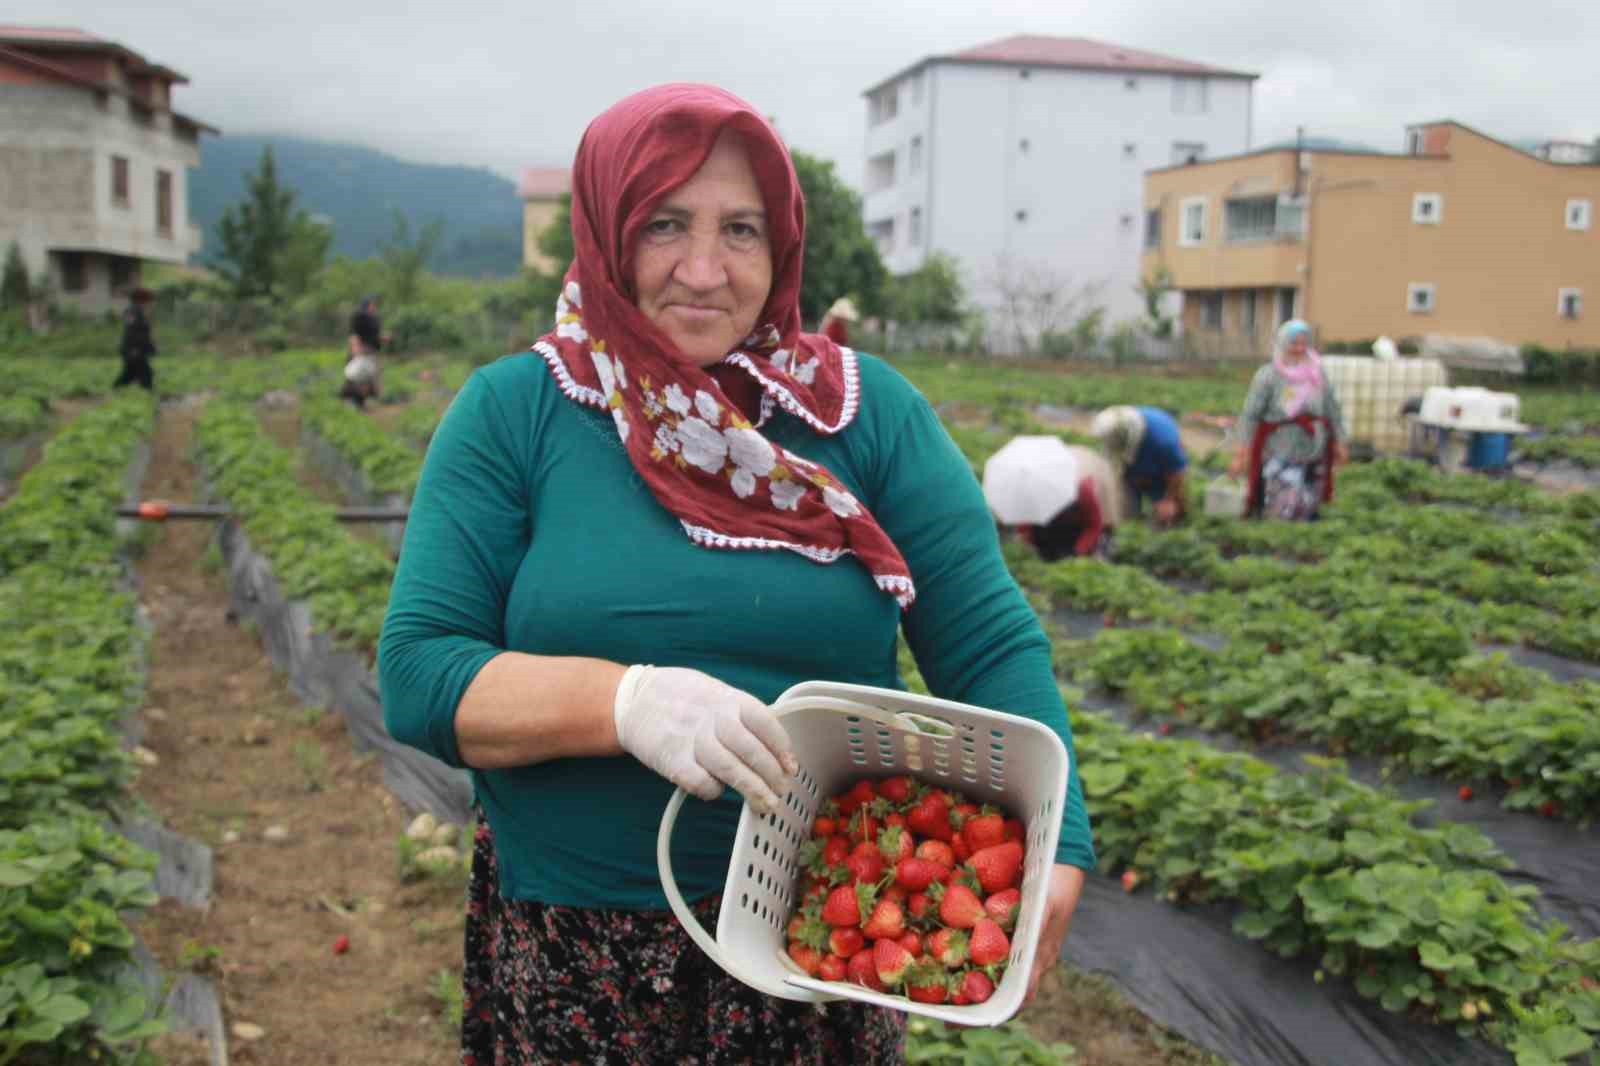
1291 435
138 344
1084 527
836 323
1144 445
362 372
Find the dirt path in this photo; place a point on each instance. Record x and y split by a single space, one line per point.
238 754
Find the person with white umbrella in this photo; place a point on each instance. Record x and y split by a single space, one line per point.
1064 499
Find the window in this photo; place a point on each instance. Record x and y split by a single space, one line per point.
883 105
164 202
880 172
1254 219
1189 95
1192 230
1579 212
1291 221
1285 305
1419 298
119 181
916 155
124 273
882 234
1569 303
1413 142
1152 228
1211 310
73 275
1184 152
1247 312
915 234
1427 208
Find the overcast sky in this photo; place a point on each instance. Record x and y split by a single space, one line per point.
505 85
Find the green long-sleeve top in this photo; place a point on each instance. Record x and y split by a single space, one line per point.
530 531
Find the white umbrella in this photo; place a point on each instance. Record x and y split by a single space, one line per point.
1030 480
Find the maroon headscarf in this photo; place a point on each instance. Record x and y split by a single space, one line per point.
702 454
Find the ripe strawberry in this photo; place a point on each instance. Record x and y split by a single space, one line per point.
1465 792
1003 908
833 968
949 946
989 943
997 866
341 944
863 971
916 874
1015 830
806 957
897 892
1130 880
936 851
861 792
864 826
983 831
960 907
836 851
891 961
865 863
927 983
846 941
824 827
895 789
911 942
959 846
931 817
888 920
842 908
895 844
919 905
894 818
1550 809
975 987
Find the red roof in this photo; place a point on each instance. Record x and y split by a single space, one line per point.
1078 53
60 35
544 183
62 38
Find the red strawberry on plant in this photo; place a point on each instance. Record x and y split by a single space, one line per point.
1130 880
895 789
983 831
888 921
846 941
843 907
998 867
824 827
1550 809
861 792
916 874
927 983
974 987
960 907
836 850
806 957
865 862
891 961
919 905
936 851
863 971
1003 907
931 816
949 946
833 968
988 944
1465 792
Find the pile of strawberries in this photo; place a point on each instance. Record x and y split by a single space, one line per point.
909 889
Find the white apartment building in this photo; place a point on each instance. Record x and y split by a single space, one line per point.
93 162
1024 160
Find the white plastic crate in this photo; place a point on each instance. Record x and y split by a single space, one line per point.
841 733
1373 391
1472 409
1225 497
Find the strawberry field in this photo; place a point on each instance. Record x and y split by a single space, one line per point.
1353 764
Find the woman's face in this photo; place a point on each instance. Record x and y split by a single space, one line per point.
1296 348
703 266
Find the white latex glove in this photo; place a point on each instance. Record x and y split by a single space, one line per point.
701 734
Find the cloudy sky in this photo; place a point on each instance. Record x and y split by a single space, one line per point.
506 84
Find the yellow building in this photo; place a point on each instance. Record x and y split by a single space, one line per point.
541 189
1461 236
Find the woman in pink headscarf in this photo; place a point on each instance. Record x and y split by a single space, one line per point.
1292 432
625 545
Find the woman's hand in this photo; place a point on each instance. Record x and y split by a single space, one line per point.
1062 892
1236 467
1341 454
702 735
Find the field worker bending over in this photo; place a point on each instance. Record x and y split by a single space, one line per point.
1143 444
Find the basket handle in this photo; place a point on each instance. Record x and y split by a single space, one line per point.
904 721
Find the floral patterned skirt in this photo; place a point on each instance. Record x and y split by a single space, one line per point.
1291 490
548 984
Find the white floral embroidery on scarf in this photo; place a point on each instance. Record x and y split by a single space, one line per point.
780 359
568 322
786 494
666 440
840 502
806 372
677 400
612 381
703 446
709 408
752 457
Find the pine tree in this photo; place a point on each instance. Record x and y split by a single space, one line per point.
269 247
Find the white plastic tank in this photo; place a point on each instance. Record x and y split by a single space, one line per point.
1373 391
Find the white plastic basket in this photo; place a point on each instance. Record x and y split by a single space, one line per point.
842 733
1225 497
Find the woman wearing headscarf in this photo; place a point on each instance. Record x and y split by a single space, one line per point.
1291 433
1145 446
625 544
361 369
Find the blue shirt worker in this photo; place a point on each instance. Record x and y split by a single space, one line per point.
1144 445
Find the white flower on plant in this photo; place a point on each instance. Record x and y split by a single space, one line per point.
786 494
752 457
708 407
676 399
840 502
806 372
702 445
